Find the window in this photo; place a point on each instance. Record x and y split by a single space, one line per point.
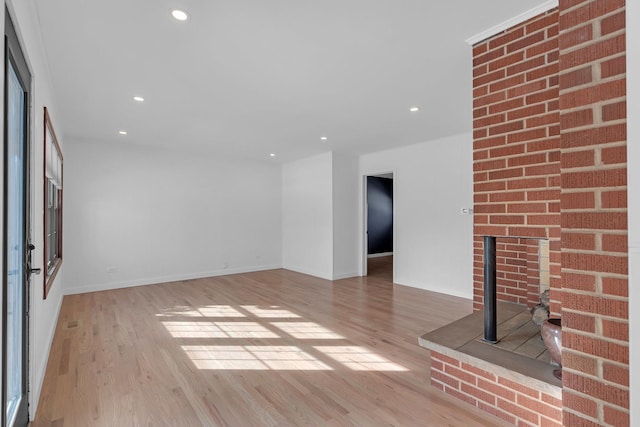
52 204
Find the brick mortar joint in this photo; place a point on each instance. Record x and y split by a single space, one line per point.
544 40
596 274
597 192
529 129
517 178
594 147
515 190
525 105
593 232
612 122
596 232
495 406
599 401
599 61
600 318
524 59
522 25
524 72
496 382
598 148
596 168
518 418
594 336
596 39
595 251
564 11
593 105
592 84
505 143
525 35
584 416
512 144
573 8
522 97
600 380
595 82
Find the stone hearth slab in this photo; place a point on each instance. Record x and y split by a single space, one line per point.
462 340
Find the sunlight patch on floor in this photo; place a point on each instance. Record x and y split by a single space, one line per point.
273 312
306 330
359 358
246 357
305 357
193 330
219 311
178 311
218 330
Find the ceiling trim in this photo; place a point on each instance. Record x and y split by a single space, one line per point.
547 5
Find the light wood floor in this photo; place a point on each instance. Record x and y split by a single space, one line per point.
273 348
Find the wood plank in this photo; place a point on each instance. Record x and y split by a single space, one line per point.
533 347
518 335
271 348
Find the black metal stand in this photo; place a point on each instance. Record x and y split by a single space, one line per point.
490 301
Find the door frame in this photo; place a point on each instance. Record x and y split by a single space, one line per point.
14 52
365 220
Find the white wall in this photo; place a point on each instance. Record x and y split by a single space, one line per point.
345 216
138 215
44 313
307 216
433 243
633 158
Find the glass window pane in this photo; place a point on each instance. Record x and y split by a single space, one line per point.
15 241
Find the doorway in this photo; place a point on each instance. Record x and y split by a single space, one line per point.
379 226
16 233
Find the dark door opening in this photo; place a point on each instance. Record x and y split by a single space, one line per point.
379 226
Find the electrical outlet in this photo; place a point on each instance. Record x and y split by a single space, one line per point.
225 265
466 211
111 270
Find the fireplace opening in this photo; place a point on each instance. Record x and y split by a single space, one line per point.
540 312
516 269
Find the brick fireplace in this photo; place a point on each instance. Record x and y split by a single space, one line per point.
549 109
517 156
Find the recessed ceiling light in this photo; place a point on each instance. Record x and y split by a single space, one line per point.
272 155
324 138
180 15
414 109
122 132
138 98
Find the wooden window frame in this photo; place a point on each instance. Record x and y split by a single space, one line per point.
50 271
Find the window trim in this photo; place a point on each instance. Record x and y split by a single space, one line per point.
51 272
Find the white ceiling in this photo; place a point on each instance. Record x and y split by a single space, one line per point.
253 77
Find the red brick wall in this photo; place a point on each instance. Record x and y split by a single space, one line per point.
517 149
594 216
511 401
517 270
550 162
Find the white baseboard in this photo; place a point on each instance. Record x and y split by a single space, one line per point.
340 276
435 288
380 255
326 276
164 279
331 277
